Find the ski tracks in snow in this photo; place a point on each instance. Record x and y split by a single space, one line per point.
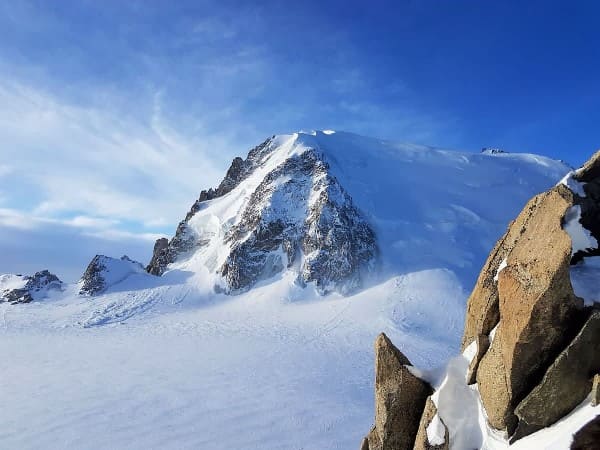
132 304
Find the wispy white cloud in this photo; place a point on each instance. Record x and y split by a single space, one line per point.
66 157
87 225
91 222
123 236
16 219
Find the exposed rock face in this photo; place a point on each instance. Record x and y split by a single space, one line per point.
298 217
525 290
364 445
336 241
184 240
33 287
400 398
566 384
432 428
483 305
103 271
536 305
160 257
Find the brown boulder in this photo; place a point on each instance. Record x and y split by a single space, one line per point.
537 307
596 390
565 385
483 311
399 399
482 306
422 441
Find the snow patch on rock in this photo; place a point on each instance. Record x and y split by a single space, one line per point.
436 432
584 279
493 333
573 184
581 238
502 266
471 351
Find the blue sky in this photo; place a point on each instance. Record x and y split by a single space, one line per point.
114 115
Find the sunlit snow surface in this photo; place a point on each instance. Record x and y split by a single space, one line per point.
166 363
165 368
429 207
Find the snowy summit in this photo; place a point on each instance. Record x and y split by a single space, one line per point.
341 210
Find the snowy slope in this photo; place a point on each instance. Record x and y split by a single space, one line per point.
17 288
428 207
10 281
167 362
165 368
103 272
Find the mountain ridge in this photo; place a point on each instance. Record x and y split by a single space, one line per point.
349 161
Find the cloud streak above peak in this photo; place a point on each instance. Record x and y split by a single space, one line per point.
65 157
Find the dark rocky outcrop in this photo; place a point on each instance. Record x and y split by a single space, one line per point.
565 385
588 438
364 445
36 286
589 177
400 398
103 271
422 440
184 241
338 244
160 257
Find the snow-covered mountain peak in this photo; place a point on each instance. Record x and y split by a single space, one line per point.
104 271
16 288
329 207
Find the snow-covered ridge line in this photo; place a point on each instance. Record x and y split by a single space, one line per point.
103 272
24 289
268 202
